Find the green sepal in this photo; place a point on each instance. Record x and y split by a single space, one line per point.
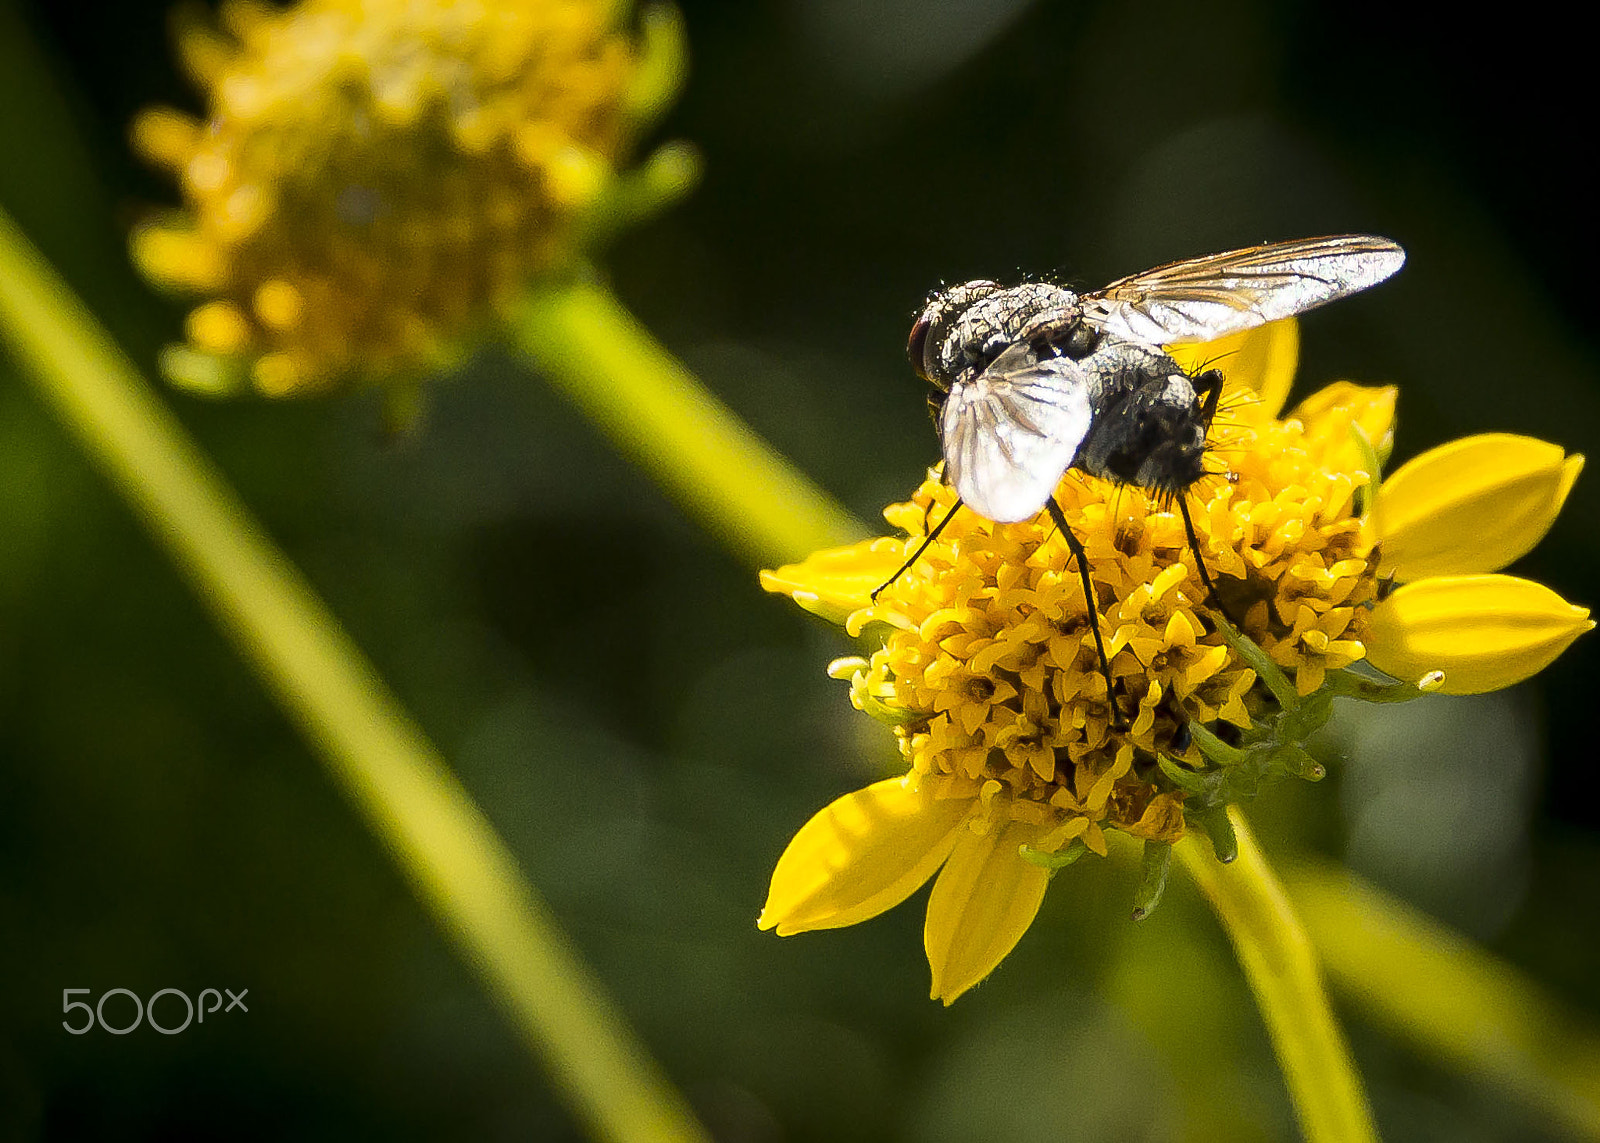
1296 760
1213 748
1154 866
661 67
634 196
1056 861
1189 781
1349 684
1219 828
888 715
1259 661
862 698
1270 750
205 374
1367 494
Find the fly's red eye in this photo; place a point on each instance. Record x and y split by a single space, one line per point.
917 346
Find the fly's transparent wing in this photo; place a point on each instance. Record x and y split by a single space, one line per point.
1012 431
1204 298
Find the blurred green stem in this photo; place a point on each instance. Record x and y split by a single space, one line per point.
661 416
1281 966
1432 988
448 851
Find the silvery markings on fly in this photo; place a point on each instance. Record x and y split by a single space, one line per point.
1034 379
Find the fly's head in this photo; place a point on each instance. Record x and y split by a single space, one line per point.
926 347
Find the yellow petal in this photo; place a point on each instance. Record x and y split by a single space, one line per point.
1335 409
1483 632
836 581
1262 360
1473 505
983 902
863 854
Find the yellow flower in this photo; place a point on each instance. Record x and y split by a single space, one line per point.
988 673
376 177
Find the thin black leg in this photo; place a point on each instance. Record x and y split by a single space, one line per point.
1076 548
917 555
1200 562
1209 386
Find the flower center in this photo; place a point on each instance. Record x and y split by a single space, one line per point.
993 659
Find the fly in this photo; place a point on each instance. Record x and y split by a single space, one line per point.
1035 379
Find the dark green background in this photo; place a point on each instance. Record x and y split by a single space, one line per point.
648 729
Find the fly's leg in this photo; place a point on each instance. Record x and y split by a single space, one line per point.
1075 546
917 555
1208 387
1200 562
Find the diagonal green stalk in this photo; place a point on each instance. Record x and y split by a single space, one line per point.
659 415
1281 966
1433 988
458 867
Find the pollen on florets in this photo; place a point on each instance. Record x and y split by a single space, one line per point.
990 673
373 177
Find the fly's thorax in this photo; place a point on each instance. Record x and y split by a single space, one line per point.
1148 428
966 327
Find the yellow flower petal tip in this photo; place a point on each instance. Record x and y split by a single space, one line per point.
1371 411
864 853
835 582
984 900
1465 635
376 180
1473 505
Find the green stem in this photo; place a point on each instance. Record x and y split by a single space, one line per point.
1431 987
659 415
1281 966
458 867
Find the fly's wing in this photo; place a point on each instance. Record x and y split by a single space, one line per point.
1012 431
1204 298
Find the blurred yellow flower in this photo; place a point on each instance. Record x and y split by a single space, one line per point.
989 675
375 177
